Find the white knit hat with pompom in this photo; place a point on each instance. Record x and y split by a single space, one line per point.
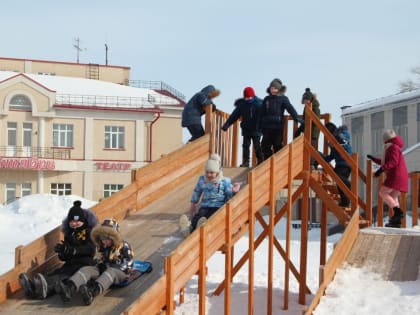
213 164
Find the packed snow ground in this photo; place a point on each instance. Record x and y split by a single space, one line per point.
354 290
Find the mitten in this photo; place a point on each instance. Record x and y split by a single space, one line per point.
58 248
300 121
68 250
371 157
378 172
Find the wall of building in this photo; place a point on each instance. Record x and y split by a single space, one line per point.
89 166
114 74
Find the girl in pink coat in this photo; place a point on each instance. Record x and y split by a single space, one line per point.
395 168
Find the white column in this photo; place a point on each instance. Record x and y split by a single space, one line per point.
40 183
88 174
41 132
41 144
140 141
88 138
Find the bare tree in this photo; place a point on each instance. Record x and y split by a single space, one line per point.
410 85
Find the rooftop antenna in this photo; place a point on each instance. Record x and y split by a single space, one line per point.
106 54
78 48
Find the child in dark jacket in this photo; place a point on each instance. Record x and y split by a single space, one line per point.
195 108
248 109
77 250
342 168
272 118
114 261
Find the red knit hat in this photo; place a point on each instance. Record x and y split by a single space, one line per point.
249 92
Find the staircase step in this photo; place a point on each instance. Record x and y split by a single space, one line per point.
362 223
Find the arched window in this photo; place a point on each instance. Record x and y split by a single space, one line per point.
20 102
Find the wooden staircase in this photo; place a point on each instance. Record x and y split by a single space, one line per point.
330 188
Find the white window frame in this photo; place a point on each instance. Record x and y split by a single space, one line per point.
61 189
114 137
110 189
27 138
63 135
10 192
26 189
11 138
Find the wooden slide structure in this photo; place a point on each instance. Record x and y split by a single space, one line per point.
149 209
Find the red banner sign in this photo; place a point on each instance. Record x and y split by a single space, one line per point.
30 163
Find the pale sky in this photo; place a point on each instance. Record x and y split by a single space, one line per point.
347 52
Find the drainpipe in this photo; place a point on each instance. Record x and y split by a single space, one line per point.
151 136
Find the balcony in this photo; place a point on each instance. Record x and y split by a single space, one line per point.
36 152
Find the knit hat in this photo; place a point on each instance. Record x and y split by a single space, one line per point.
213 164
307 96
388 134
276 83
76 212
249 92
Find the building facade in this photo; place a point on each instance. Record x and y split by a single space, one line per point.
368 121
71 135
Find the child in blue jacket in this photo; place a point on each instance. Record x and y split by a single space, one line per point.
213 189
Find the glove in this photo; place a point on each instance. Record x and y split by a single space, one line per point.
223 128
64 250
101 267
59 247
371 157
378 172
300 121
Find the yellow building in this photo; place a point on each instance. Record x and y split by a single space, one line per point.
65 132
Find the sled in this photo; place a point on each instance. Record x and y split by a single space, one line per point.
140 267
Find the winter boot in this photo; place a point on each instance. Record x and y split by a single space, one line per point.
65 290
184 225
398 213
89 291
393 225
245 163
27 285
41 286
396 218
201 221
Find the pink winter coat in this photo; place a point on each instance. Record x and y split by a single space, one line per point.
394 165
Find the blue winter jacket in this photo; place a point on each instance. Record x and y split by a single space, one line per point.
214 195
194 109
250 112
272 114
342 135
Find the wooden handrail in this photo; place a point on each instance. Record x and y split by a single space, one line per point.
336 259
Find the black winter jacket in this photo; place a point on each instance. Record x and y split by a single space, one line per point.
250 113
272 113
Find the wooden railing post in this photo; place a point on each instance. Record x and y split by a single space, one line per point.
18 255
169 270
414 198
202 272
